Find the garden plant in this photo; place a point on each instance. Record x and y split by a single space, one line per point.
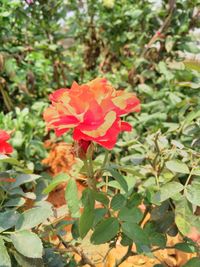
99 133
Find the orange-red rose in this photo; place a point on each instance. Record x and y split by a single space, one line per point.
93 110
5 147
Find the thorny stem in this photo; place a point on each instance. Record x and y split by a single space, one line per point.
157 181
144 215
106 159
90 164
90 176
100 171
67 245
129 251
87 168
188 179
84 258
163 28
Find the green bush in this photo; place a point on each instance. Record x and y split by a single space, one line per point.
148 47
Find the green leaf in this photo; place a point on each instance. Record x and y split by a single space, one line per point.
4 257
127 168
105 231
157 239
88 199
133 215
167 191
193 192
53 259
71 196
134 200
99 215
15 202
76 168
191 116
118 201
137 234
173 230
8 219
19 191
162 67
27 243
145 89
18 139
177 166
189 248
183 224
86 221
190 85
134 14
114 184
58 179
126 241
9 160
87 217
24 178
194 262
192 64
33 217
165 223
75 230
119 178
196 171
27 262
169 43
158 212
101 197
5 14
183 216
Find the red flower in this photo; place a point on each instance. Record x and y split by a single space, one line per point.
93 110
5 148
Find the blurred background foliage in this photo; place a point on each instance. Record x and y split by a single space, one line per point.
150 47
138 45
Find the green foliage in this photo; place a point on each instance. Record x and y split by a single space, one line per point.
71 196
60 178
136 233
190 248
23 240
28 133
194 262
105 231
118 202
4 257
33 217
119 178
142 46
16 236
87 217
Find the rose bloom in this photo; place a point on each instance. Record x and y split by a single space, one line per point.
5 148
92 110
